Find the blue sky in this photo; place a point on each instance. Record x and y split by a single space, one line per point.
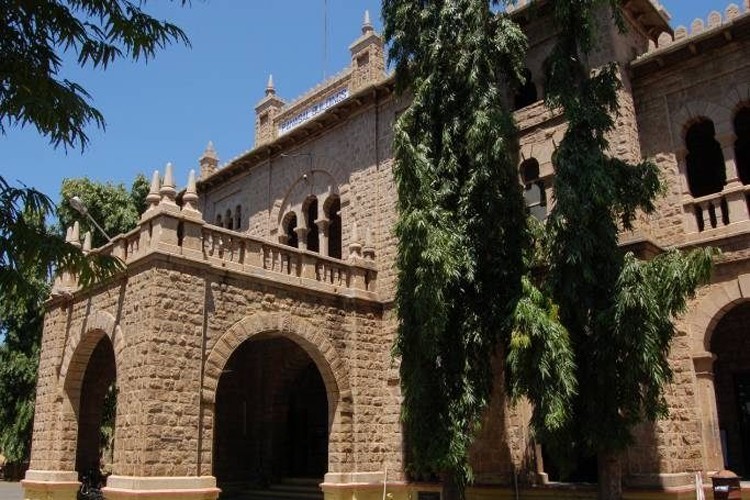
168 109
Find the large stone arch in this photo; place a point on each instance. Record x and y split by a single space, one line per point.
81 344
332 368
76 356
709 309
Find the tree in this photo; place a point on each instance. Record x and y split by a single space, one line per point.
461 228
113 207
21 315
619 311
32 38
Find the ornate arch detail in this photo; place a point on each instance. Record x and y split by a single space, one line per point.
737 97
78 349
708 310
693 111
332 368
95 325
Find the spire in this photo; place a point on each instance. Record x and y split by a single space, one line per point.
153 196
87 242
190 198
75 235
366 24
270 89
168 191
209 161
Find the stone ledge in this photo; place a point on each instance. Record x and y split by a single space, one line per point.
161 483
53 476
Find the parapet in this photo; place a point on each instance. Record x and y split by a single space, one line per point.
275 117
700 27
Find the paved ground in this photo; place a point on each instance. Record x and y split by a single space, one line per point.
10 491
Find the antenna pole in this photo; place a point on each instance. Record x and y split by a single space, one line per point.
325 37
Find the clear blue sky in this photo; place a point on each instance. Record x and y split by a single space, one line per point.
168 109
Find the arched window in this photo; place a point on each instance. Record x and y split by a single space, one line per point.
526 94
228 219
238 217
219 221
742 145
290 224
705 161
311 215
333 214
533 193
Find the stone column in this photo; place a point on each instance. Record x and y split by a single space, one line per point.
730 164
302 237
709 420
323 226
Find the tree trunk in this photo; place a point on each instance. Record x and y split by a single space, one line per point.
610 476
451 487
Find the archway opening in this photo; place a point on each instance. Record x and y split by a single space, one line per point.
96 411
526 94
311 215
731 345
290 233
271 416
742 145
333 214
705 162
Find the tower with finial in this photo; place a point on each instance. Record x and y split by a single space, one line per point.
209 161
265 113
368 56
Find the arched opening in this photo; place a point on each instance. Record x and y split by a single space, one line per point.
534 190
219 221
311 215
526 94
730 343
705 161
742 145
289 225
333 214
238 217
271 424
228 219
96 410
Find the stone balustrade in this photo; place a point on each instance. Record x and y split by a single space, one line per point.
168 230
711 215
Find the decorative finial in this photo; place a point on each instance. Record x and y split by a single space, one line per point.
87 242
355 247
270 89
75 235
366 24
153 196
69 234
368 251
190 198
210 151
168 191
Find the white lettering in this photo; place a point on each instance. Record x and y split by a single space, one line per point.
314 110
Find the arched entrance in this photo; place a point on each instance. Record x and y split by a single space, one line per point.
271 415
94 392
730 343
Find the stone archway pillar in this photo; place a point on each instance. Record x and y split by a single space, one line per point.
703 364
50 485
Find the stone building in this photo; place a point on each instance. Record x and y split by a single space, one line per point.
249 338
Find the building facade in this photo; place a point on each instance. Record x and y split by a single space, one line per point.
249 339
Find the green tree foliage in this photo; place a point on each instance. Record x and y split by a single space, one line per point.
112 206
22 311
32 38
461 224
21 331
618 310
